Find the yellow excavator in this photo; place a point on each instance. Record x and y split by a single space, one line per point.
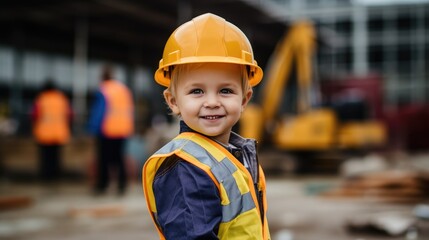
310 128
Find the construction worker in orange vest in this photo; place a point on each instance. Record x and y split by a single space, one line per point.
51 115
112 121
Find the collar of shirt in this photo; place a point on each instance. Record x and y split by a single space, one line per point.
242 148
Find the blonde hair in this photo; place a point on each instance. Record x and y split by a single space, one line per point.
181 69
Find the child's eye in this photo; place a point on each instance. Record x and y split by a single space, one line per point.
196 91
226 91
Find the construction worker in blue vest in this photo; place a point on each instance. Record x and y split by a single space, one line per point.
207 183
112 122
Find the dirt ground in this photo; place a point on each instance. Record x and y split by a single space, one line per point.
296 212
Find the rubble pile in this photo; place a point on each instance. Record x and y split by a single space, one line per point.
389 185
380 181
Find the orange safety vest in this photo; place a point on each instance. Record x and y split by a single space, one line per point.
118 118
52 123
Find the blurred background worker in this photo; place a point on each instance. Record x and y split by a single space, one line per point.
112 122
51 115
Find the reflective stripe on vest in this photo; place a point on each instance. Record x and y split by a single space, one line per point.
51 126
118 119
238 198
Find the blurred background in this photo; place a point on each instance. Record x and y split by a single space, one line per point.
342 114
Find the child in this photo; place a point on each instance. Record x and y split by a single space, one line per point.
206 183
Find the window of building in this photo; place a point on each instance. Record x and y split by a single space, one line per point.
344 59
404 58
426 54
406 21
376 57
426 18
6 65
376 23
344 26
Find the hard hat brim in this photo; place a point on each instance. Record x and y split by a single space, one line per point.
164 80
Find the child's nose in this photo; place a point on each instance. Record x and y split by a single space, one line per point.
212 100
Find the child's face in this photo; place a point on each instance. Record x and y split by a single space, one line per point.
210 99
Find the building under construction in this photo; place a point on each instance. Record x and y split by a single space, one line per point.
369 62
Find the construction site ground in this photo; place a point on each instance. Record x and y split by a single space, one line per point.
69 211
299 208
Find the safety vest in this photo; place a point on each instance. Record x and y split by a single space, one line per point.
118 118
52 123
241 213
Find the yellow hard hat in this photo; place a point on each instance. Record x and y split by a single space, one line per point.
207 38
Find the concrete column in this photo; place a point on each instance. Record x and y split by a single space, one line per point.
421 85
80 68
184 11
360 40
296 9
16 99
15 104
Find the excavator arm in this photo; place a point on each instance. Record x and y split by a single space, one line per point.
298 45
309 128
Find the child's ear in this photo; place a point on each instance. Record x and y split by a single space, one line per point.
246 98
171 101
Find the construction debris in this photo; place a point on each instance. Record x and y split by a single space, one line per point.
390 223
421 211
356 166
389 185
97 211
14 202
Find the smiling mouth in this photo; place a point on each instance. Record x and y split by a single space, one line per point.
212 117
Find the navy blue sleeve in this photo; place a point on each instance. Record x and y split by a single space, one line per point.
188 203
97 114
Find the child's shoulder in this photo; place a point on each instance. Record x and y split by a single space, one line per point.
169 163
